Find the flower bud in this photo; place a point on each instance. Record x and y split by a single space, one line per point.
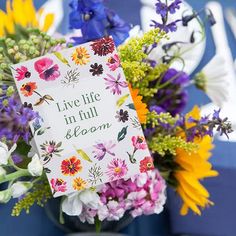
20 188
5 195
35 167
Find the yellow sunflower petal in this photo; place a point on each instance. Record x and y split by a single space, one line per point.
48 22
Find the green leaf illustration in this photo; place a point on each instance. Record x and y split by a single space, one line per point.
42 130
122 100
61 58
122 134
48 97
131 106
83 154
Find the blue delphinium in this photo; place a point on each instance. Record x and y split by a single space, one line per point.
163 10
96 21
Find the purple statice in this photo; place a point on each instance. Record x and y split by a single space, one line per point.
17 159
14 120
96 21
172 97
163 10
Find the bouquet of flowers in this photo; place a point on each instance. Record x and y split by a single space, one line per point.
180 144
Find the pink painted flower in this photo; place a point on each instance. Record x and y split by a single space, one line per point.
58 185
139 142
113 62
117 169
47 71
115 84
101 149
22 73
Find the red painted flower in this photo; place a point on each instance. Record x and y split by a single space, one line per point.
28 89
47 71
139 142
58 185
71 166
22 73
146 164
103 46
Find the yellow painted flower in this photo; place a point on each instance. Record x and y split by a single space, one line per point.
194 167
80 56
79 184
140 106
23 13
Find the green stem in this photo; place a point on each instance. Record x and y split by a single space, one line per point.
98 225
61 218
14 175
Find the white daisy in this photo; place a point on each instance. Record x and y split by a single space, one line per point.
214 81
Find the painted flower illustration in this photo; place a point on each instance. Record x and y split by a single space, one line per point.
104 46
80 56
50 148
101 149
122 115
28 89
58 185
115 84
139 143
96 69
22 73
47 71
146 164
79 184
113 62
117 169
71 166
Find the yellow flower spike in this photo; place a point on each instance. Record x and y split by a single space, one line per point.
194 167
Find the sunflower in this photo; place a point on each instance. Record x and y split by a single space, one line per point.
23 13
80 56
194 166
140 106
79 184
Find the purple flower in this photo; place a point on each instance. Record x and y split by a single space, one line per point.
17 159
14 120
161 8
171 27
115 84
101 149
116 169
174 6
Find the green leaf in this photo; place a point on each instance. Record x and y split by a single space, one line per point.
61 58
122 100
131 106
41 131
122 134
83 154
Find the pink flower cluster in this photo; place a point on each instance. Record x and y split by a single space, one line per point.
142 194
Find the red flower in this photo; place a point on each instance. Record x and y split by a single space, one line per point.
71 166
103 46
28 88
22 73
146 164
58 185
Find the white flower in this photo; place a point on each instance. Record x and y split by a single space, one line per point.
20 188
5 195
35 167
5 153
213 80
73 204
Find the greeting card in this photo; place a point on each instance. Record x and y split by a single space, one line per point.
87 132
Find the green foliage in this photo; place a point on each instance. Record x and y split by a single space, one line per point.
134 57
39 195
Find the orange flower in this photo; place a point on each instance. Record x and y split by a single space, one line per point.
140 106
71 166
80 56
79 184
28 88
